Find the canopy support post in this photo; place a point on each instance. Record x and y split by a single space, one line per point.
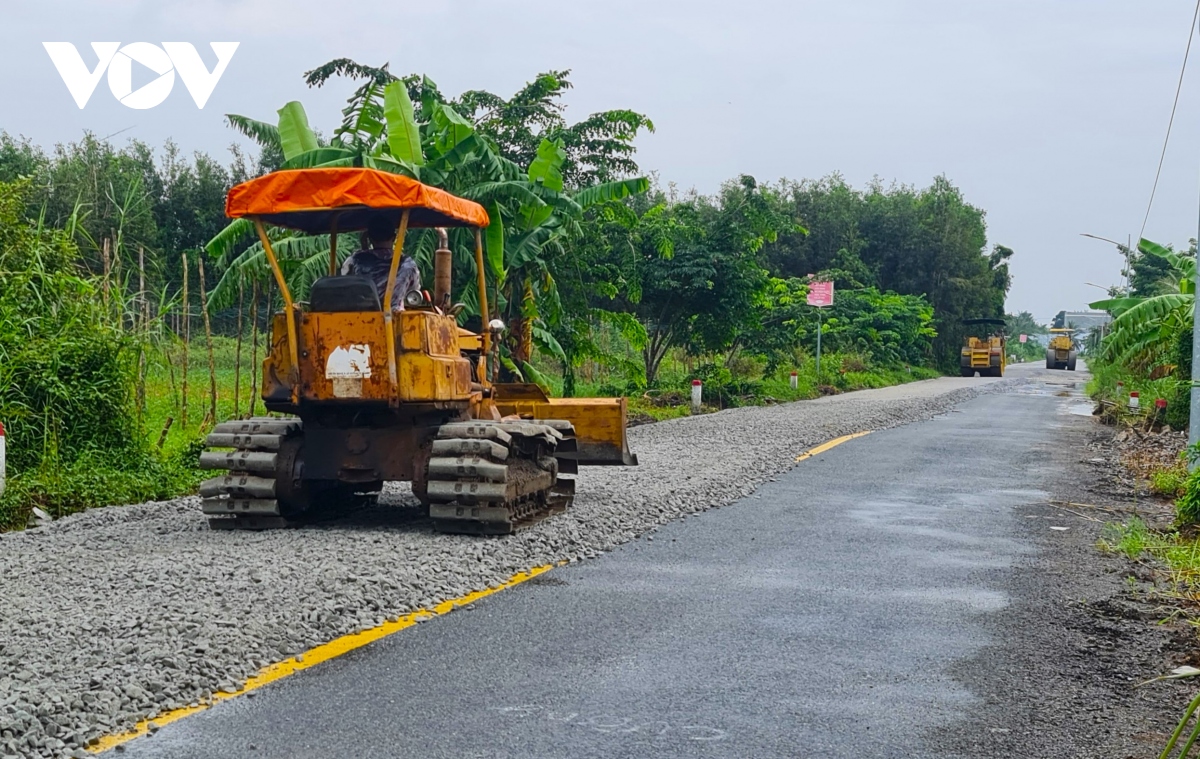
289 309
481 282
333 234
388 326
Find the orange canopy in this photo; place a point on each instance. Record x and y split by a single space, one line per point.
308 199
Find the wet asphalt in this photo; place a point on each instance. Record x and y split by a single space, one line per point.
819 617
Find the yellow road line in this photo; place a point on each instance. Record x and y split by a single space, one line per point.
832 443
348 643
315 656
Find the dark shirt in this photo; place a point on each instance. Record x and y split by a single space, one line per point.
374 264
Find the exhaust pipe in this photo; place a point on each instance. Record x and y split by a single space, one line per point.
442 261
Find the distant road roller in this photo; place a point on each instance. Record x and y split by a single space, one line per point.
1060 354
367 393
984 351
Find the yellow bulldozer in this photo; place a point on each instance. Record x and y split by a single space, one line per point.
367 393
984 348
1060 353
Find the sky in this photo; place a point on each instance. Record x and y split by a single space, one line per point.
1049 115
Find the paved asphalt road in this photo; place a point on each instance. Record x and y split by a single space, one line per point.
817 618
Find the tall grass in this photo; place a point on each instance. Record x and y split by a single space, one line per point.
72 346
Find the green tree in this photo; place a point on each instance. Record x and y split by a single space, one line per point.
406 126
698 277
928 242
1024 324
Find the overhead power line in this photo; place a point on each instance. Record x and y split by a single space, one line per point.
1171 121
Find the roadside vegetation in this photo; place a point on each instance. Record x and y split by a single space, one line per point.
1148 351
132 314
1025 324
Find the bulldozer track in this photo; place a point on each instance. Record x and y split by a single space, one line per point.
497 477
482 477
263 486
246 496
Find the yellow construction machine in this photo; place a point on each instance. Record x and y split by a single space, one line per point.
367 393
1060 353
985 350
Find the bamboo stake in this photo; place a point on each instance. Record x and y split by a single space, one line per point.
253 346
145 302
104 257
237 361
162 436
212 364
143 327
171 373
187 336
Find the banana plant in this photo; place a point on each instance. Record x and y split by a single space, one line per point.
1143 327
533 214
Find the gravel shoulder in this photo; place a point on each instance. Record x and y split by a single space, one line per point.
117 614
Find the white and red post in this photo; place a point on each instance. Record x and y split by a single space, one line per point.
697 395
1 458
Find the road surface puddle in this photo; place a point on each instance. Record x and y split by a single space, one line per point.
1085 408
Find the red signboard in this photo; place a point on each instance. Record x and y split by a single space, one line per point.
1024 338
820 294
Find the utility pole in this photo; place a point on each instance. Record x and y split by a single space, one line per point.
1194 413
819 350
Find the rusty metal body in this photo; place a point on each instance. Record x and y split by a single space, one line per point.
374 394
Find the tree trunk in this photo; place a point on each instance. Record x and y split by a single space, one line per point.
654 352
523 329
568 380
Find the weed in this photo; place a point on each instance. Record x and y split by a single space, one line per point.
1187 506
1131 538
1170 481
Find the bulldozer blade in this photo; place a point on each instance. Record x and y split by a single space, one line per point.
600 423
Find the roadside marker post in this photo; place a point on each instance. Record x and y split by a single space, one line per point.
795 381
1135 403
820 294
697 395
2 476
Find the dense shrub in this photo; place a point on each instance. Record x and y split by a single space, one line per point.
1187 506
67 381
66 367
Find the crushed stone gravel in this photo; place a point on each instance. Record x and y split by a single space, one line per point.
119 614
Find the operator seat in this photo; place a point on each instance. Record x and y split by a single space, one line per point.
342 294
